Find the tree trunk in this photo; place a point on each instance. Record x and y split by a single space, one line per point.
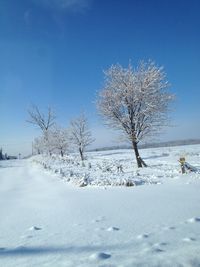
140 161
81 154
61 152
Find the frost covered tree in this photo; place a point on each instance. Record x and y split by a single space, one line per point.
43 145
44 123
80 135
135 101
59 140
38 145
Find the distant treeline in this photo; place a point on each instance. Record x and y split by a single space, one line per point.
5 156
152 145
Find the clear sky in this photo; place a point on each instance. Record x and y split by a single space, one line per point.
53 52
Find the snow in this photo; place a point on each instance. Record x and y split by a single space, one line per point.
49 221
118 167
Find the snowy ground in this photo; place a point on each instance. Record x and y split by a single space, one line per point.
46 221
118 167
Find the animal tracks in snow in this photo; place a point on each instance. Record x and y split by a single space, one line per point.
143 236
112 228
31 229
157 250
162 244
193 220
99 219
169 228
100 256
189 239
35 228
108 229
167 234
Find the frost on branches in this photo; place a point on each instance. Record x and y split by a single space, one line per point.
135 101
54 141
80 135
44 122
60 140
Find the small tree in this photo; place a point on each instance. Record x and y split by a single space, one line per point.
135 101
60 140
37 145
43 145
80 135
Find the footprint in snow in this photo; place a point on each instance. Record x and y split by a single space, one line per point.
100 256
154 248
188 239
35 228
111 229
96 221
169 228
162 244
99 229
143 236
193 220
100 219
158 250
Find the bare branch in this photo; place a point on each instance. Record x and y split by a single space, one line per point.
40 120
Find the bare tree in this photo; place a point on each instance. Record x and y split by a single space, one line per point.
80 135
135 101
40 120
43 122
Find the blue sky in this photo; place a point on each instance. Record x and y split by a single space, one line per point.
53 52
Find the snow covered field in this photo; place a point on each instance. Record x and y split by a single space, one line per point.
118 167
47 220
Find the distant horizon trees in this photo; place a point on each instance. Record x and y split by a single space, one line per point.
5 156
58 140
